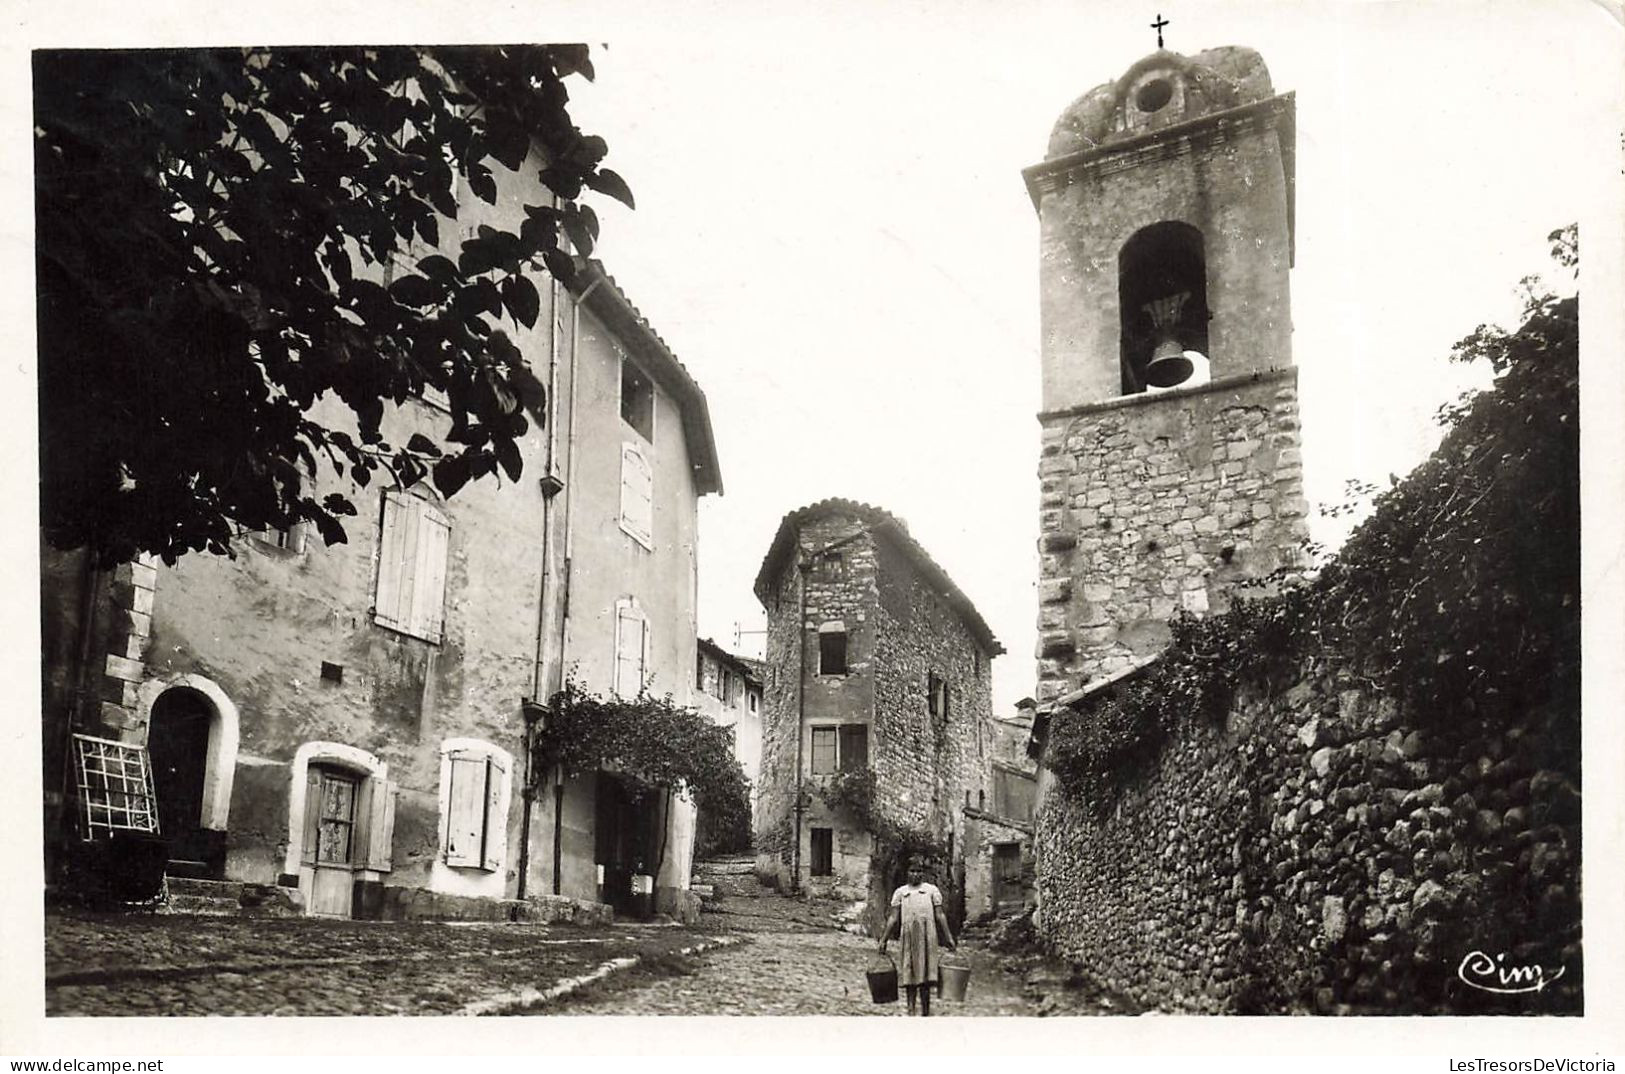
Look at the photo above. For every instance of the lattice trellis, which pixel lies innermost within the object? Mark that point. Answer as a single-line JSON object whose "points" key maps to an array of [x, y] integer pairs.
{"points": [[115, 787]]}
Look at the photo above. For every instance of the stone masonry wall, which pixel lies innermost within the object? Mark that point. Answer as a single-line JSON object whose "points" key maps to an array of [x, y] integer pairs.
{"points": [[926, 768], [1323, 851], [1155, 503], [848, 598]]}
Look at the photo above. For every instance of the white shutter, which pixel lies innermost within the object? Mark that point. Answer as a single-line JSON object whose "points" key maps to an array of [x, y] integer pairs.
{"points": [[629, 655], [496, 820], [381, 827], [465, 810], [637, 495], [643, 652], [412, 551], [386, 602], [429, 576]]}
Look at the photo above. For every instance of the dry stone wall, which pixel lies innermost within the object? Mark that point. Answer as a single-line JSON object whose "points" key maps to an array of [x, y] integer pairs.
{"points": [[1325, 851], [846, 597], [1154, 504]]}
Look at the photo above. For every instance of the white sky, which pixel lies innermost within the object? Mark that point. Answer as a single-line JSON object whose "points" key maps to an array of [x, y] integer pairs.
{"points": [[833, 235]]}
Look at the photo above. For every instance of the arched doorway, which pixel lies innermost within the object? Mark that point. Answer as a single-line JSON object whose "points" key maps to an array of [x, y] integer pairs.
{"points": [[178, 738]]}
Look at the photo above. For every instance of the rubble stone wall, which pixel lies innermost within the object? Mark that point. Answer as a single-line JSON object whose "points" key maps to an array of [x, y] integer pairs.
{"points": [[1325, 851], [1155, 503], [792, 665]]}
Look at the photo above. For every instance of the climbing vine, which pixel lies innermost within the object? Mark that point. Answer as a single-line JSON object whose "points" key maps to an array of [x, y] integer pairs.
{"points": [[1458, 596], [650, 742]]}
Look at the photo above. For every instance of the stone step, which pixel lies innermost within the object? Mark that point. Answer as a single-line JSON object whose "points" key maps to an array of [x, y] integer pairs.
{"points": [[231, 897], [725, 867]]}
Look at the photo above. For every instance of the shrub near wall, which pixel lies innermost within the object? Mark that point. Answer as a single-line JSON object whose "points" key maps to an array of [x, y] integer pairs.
{"points": [[1362, 795]]}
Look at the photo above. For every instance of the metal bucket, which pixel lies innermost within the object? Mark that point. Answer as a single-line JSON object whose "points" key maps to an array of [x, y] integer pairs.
{"points": [[882, 977], [955, 980]]}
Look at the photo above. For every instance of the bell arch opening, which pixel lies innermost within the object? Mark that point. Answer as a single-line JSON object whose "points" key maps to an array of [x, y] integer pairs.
{"points": [[1162, 299]]}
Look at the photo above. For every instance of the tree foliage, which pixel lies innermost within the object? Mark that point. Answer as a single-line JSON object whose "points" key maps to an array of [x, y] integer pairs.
{"points": [[227, 236], [651, 742], [1458, 596]]}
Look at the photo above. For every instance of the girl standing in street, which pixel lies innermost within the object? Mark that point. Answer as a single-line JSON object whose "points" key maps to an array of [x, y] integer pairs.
{"points": [[916, 912]]}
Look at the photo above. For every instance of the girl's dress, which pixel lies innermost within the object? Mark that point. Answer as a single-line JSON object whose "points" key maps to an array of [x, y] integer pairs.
{"points": [[917, 940]]}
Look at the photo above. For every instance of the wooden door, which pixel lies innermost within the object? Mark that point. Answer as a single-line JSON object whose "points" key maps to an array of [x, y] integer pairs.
{"points": [[1007, 893], [329, 856]]}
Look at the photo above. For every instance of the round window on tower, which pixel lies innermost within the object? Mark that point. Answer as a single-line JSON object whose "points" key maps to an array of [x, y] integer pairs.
{"points": [[1155, 94]]}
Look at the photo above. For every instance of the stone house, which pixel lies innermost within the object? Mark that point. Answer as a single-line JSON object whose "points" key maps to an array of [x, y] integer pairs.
{"points": [[879, 667], [347, 724]]}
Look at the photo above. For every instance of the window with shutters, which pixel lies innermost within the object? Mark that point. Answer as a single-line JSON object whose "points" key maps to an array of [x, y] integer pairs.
{"points": [[631, 649], [475, 789], [412, 553], [637, 496], [937, 695], [840, 748]]}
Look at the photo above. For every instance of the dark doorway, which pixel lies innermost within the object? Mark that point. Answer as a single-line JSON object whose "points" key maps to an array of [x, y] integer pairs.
{"points": [[178, 744], [1007, 893], [626, 843]]}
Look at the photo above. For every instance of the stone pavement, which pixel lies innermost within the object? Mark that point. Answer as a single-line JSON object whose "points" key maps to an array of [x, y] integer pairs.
{"points": [[147, 964], [754, 952], [794, 963]]}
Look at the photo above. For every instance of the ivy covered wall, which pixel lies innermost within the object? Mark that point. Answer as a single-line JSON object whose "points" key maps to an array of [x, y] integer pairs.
{"points": [[1361, 795]]}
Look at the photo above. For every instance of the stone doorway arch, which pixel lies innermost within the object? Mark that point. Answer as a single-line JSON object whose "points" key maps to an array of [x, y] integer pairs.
{"points": [[192, 730]]}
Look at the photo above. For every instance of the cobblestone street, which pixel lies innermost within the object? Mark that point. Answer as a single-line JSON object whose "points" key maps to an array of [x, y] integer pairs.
{"points": [[794, 962], [753, 953]]}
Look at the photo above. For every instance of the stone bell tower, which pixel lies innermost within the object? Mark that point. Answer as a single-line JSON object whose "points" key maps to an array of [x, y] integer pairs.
{"points": [[1170, 467]]}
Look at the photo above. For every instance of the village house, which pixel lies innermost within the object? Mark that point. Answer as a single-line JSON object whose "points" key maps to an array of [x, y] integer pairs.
{"points": [[343, 729], [728, 689], [879, 671]]}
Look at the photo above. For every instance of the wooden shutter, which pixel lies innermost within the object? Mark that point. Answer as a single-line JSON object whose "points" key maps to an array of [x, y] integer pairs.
{"points": [[465, 811], [313, 812], [854, 747], [637, 494], [496, 822], [631, 646], [397, 549], [429, 573], [381, 827], [412, 550]]}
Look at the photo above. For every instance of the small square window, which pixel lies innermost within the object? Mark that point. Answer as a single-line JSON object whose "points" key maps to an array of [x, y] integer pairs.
{"points": [[637, 400], [832, 652]]}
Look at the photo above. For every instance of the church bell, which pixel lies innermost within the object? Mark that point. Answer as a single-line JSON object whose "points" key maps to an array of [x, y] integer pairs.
{"points": [[1168, 366]]}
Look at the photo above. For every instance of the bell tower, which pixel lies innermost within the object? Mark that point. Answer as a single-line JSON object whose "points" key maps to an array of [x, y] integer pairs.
{"points": [[1170, 466]]}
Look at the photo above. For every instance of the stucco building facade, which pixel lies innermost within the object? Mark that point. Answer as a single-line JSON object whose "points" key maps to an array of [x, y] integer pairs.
{"points": [[348, 722], [876, 664], [728, 689]]}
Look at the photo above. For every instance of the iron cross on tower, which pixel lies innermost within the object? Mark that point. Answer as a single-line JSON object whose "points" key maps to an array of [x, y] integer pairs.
{"points": [[1157, 26]]}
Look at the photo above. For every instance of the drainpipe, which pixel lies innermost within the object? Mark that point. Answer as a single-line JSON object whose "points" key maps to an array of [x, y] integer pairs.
{"points": [[569, 549], [801, 713]]}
